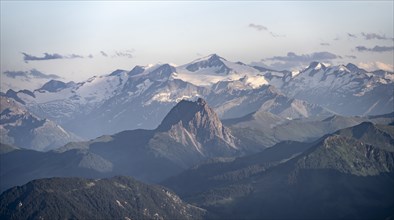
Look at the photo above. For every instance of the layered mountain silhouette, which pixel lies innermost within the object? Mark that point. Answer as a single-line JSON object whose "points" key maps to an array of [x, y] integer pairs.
{"points": [[77, 198], [21, 128], [189, 134], [345, 175]]}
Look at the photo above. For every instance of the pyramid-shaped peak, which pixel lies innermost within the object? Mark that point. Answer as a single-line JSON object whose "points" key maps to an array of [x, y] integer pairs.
{"points": [[199, 120], [353, 68], [316, 65], [117, 72], [211, 61], [215, 57], [54, 86], [165, 70], [186, 111], [136, 70]]}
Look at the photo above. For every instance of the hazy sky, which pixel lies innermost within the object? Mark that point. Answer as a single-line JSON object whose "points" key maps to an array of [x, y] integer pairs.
{"points": [[77, 40]]}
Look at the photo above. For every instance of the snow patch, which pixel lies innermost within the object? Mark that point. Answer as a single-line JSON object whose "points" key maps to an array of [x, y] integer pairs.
{"points": [[119, 204]]}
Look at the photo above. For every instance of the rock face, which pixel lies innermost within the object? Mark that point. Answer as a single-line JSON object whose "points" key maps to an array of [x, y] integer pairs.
{"points": [[199, 119], [213, 61], [21, 128], [114, 198], [192, 132]]}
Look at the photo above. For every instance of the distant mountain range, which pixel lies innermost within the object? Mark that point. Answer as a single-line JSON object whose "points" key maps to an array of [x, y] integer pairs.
{"points": [[140, 98], [21, 128]]}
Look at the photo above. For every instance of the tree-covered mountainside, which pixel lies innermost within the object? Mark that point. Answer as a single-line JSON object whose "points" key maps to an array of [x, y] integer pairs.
{"points": [[77, 198]]}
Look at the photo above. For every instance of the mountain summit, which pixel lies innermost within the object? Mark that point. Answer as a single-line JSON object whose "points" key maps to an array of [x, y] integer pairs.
{"points": [[211, 61], [196, 124], [198, 118]]}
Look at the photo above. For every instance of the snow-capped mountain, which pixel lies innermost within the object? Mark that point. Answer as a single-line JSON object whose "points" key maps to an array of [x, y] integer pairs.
{"points": [[213, 68], [231, 102], [346, 90], [21, 128], [140, 98]]}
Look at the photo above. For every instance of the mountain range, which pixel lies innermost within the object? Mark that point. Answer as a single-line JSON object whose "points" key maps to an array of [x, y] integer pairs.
{"points": [[220, 139], [140, 98], [345, 175], [24, 129], [190, 133]]}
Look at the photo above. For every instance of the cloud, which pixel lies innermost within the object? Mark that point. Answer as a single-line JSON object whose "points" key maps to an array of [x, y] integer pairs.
{"points": [[371, 66], [31, 74], [378, 49], [351, 56], [293, 61], [259, 27], [48, 56], [124, 53], [90, 56], [371, 36], [72, 56], [324, 44], [293, 57], [351, 35], [104, 53]]}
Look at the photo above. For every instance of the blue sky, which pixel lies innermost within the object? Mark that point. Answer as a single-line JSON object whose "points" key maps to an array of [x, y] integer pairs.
{"points": [[77, 40]]}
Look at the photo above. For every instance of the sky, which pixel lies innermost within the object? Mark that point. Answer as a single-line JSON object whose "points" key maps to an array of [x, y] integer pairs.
{"points": [[75, 40]]}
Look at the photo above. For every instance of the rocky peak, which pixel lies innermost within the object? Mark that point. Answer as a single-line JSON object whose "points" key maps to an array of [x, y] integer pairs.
{"points": [[136, 70], [198, 119], [316, 65], [210, 62], [354, 68], [117, 72], [53, 86], [164, 70]]}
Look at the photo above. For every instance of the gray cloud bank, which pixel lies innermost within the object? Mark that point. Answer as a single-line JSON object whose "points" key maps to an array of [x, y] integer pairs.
{"points": [[297, 61], [30, 74], [48, 56], [377, 49]]}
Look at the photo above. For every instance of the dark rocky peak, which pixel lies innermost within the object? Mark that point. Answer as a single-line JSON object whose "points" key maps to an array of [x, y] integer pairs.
{"points": [[136, 70], [316, 65], [210, 62], [164, 70], [185, 111], [353, 68], [117, 72], [14, 95], [197, 118], [53, 86]]}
